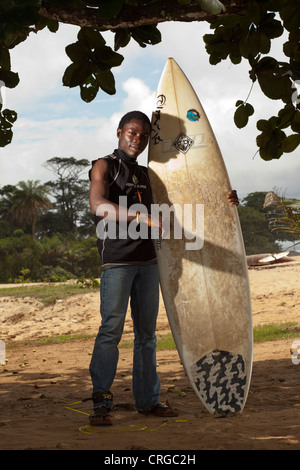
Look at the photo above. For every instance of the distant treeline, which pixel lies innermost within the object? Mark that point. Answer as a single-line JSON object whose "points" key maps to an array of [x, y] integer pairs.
{"points": [[47, 232]]}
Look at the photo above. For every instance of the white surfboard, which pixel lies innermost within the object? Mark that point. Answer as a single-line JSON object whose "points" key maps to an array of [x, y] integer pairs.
{"points": [[203, 273], [267, 258], [273, 258]]}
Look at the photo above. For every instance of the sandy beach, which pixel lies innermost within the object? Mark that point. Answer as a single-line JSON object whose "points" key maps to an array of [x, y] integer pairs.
{"points": [[45, 389]]}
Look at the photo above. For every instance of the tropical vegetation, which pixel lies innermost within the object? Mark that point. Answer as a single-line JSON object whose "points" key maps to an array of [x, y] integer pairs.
{"points": [[47, 232]]}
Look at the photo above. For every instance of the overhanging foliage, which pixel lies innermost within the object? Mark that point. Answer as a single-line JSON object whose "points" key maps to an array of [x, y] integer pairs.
{"points": [[241, 30]]}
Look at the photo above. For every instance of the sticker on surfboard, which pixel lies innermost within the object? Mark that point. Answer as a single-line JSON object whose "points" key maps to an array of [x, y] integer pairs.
{"points": [[193, 115], [183, 143]]}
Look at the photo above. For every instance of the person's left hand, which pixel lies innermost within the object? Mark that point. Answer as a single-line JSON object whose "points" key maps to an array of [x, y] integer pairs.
{"points": [[232, 197]]}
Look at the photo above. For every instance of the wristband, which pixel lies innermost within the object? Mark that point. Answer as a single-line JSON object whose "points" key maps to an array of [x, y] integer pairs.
{"points": [[137, 218]]}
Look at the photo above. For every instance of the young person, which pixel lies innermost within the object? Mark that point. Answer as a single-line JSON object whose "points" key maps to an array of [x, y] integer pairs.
{"points": [[129, 271]]}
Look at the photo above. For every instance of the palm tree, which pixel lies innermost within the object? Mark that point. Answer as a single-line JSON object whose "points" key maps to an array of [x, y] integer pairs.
{"points": [[28, 202]]}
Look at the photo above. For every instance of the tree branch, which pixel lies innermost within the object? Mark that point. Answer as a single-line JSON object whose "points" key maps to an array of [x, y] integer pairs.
{"points": [[132, 17]]}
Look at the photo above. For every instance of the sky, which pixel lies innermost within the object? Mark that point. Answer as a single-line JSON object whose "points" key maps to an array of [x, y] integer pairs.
{"points": [[53, 121]]}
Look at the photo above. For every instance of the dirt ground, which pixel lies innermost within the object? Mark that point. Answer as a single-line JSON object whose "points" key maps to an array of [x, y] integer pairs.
{"points": [[45, 390]]}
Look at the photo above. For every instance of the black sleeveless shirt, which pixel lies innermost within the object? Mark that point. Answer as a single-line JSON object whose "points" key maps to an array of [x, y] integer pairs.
{"points": [[129, 181]]}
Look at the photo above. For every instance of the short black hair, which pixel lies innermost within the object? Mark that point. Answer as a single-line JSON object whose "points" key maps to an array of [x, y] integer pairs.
{"points": [[134, 115]]}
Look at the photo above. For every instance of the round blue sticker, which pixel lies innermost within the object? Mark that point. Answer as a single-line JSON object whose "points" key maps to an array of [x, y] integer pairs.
{"points": [[193, 115]]}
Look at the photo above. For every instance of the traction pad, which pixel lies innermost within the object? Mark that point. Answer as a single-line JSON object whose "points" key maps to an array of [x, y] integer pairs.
{"points": [[220, 378]]}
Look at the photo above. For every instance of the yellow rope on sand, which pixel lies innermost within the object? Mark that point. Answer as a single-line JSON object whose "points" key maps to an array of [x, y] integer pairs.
{"points": [[67, 407], [135, 427]]}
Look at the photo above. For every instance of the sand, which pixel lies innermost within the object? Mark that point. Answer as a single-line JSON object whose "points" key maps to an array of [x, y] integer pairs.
{"points": [[40, 384]]}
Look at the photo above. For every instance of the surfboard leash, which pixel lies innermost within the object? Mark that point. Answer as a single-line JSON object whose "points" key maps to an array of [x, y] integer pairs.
{"points": [[88, 429]]}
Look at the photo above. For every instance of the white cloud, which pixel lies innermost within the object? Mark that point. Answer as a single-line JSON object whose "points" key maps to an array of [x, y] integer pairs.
{"points": [[40, 62], [139, 96], [35, 142], [80, 137]]}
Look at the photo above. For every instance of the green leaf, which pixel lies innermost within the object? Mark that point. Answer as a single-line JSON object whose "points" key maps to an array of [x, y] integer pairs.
{"points": [[264, 64], [103, 79], [291, 143], [290, 15], [212, 6], [106, 82], [249, 109], [11, 79], [270, 27], [275, 87], [76, 74], [53, 26], [235, 59], [263, 125], [91, 38], [5, 136], [214, 59], [105, 58], [89, 89], [274, 79], [4, 58], [285, 116], [144, 35], [77, 52], [270, 152], [264, 138], [270, 142], [295, 125], [7, 118], [242, 114], [10, 115], [291, 49], [122, 38], [254, 43], [273, 123]]}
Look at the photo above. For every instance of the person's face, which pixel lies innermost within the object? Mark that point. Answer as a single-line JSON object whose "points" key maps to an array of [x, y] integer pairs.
{"points": [[133, 138]]}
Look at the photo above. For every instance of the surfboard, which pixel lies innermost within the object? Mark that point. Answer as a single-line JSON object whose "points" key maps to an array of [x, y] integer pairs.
{"points": [[268, 258], [273, 258], [201, 257]]}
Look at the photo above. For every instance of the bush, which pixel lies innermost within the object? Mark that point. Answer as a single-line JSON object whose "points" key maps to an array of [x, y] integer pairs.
{"points": [[53, 274]]}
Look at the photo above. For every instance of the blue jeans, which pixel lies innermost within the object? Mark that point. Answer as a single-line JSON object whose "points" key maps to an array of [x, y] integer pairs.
{"points": [[141, 285]]}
